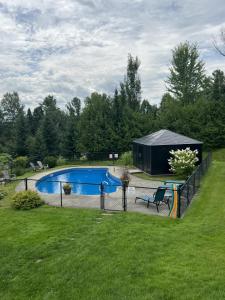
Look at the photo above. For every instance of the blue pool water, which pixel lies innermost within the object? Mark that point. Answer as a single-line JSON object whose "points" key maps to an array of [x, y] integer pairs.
{"points": [[86, 181]]}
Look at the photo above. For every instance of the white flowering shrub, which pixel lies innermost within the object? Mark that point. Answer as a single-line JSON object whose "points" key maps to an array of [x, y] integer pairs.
{"points": [[182, 162]]}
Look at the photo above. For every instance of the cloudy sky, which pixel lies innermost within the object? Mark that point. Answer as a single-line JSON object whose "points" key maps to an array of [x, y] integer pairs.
{"points": [[74, 47]]}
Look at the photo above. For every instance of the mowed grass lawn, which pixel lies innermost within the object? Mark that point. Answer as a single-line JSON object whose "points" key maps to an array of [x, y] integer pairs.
{"points": [[58, 253]]}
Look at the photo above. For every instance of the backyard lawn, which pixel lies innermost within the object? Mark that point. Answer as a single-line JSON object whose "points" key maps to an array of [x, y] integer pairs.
{"points": [[59, 253]]}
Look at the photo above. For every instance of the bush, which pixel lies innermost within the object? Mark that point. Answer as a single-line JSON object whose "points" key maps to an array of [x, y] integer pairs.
{"points": [[126, 159], [26, 200], [5, 159], [50, 161], [183, 161], [21, 162], [2, 194], [19, 171], [61, 161]]}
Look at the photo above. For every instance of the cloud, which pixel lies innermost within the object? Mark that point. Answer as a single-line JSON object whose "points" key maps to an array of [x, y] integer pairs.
{"points": [[70, 48]]}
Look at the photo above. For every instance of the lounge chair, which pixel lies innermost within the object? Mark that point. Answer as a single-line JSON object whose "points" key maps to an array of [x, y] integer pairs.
{"points": [[7, 177], [34, 168], [178, 182], [155, 199], [41, 166]]}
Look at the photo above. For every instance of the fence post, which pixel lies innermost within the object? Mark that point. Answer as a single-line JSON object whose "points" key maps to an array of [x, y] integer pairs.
{"points": [[188, 202], [194, 183], [26, 184], [124, 199], [61, 196], [102, 196], [178, 202]]}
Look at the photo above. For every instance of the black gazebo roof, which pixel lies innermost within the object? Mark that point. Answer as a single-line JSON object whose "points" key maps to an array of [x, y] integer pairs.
{"points": [[165, 137]]}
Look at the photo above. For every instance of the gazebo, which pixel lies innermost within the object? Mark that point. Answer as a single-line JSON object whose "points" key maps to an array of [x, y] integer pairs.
{"points": [[151, 152]]}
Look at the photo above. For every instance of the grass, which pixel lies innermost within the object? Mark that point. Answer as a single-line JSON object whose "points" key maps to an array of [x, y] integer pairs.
{"points": [[59, 253], [219, 155], [157, 177]]}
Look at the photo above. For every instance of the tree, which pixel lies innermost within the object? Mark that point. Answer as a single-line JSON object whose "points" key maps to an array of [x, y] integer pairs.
{"points": [[221, 46], [50, 130], [218, 85], [132, 83], [20, 134], [71, 133], [37, 117], [186, 73], [74, 107], [11, 106], [96, 124]]}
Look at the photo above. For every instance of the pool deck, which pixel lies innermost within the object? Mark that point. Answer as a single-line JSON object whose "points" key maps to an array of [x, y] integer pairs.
{"points": [[113, 201]]}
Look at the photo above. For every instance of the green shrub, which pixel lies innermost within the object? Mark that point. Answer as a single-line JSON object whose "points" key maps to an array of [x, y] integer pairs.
{"points": [[19, 171], [26, 200], [182, 162], [5, 159], [50, 161], [61, 161], [126, 159], [2, 194], [21, 162]]}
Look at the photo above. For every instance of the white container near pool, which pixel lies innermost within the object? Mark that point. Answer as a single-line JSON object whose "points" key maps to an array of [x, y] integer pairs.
{"points": [[84, 181]]}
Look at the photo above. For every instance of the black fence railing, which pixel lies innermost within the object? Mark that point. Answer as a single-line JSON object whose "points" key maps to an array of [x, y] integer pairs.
{"points": [[103, 196], [120, 197], [191, 186]]}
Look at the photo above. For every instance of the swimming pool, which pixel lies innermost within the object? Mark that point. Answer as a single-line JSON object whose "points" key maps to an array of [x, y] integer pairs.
{"points": [[86, 181]]}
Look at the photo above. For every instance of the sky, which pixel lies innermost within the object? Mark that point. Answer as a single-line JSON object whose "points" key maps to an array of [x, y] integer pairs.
{"points": [[70, 48]]}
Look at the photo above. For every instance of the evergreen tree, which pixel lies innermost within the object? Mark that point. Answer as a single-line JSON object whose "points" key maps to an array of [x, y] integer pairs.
{"points": [[50, 126], [29, 122], [37, 117], [96, 124], [71, 136], [20, 134], [218, 85], [133, 83]]}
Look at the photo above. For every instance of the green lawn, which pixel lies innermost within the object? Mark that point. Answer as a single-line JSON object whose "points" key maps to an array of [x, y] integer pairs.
{"points": [[58, 253], [157, 177]]}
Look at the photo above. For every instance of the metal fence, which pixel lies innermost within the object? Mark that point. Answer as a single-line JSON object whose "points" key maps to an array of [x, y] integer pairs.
{"points": [[191, 186], [121, 198], [104, 196]]}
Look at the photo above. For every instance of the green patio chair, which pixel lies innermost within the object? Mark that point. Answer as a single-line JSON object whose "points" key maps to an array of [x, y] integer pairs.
{"points": [[157, 197]]}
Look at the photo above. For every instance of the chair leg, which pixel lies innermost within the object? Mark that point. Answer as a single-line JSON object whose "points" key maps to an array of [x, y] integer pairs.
{"points": [[157, 206], [168, 203]]}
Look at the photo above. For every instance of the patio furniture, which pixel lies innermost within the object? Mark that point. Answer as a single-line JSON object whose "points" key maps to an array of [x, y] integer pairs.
{"points": [[34, 168], [41, 166], [157, 197], [7, 177], [168, 194], [178, 182], [171, 186]]}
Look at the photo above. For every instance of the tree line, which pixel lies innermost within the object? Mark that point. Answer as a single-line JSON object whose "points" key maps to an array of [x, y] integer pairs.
{"points": [[194, 105]]}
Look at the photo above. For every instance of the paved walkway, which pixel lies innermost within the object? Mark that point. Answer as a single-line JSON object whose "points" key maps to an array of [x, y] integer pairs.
{"points": [[112, 201]]}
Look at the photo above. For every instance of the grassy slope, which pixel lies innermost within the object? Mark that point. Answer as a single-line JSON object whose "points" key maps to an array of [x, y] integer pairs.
{"points": [[53, 253]]}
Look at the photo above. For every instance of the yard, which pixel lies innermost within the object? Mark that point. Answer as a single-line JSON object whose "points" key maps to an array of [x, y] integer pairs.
{"points": [[59, 253]]}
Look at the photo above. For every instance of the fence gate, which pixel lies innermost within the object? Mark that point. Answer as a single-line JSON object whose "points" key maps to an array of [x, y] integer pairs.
{"points": [[112, 198]]}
